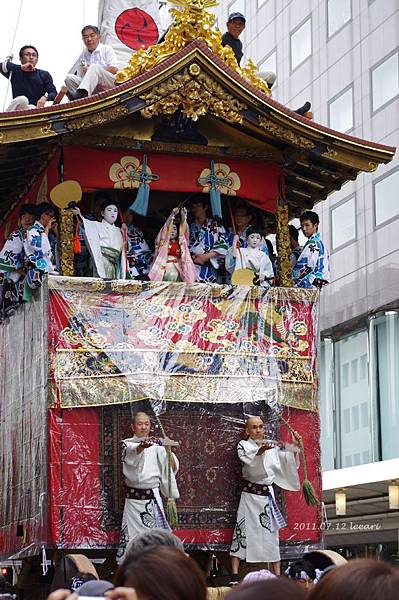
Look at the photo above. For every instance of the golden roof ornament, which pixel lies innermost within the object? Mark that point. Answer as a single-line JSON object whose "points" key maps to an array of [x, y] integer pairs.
{"points": [[191, 21]]}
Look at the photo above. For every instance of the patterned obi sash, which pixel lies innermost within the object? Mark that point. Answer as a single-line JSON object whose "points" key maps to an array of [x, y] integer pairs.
{"points": [[136, 494], [264, 490]]}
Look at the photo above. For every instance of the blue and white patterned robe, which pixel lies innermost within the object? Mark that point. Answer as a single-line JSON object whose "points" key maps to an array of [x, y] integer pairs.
{"points": [[312, 264], [12, 255], [38, 254], [139, 254], [203, 239]]}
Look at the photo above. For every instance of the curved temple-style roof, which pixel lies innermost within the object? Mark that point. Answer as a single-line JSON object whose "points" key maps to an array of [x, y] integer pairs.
{"points": [[316, 159]]}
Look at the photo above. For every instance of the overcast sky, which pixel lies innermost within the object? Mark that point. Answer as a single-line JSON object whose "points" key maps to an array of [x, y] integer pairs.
{"points": [[50, 25]]}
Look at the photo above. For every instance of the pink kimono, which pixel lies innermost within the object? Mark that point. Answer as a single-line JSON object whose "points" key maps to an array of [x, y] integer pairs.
{"points": [[167, 258]]}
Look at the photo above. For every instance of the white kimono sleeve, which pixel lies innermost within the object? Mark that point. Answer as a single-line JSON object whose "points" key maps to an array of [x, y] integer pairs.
{"points": [[286, 471], [164, 475]]}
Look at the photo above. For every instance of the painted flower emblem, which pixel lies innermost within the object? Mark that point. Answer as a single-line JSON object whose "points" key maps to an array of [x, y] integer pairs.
{"points": [[228, 182], [126, 173]]}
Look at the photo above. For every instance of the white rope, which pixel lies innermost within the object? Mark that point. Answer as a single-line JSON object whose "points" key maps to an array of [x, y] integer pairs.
{"points": [[10, 56]]}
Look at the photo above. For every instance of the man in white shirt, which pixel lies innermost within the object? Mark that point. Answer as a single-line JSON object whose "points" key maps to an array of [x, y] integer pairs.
{"points": [[97, 67], [146, 470]]}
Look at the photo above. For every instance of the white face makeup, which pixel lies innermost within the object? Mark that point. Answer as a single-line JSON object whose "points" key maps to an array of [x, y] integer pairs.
{"points": [[173, 234], [253, 240], [110, 214]]}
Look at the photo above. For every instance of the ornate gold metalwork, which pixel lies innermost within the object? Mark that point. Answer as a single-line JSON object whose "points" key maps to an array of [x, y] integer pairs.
{"points": [[284, 247], [190, 22], [286, 134], [97, 119], [196, 97], [65, 243]]}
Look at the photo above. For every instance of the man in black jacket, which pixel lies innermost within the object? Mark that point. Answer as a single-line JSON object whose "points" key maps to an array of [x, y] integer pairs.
{"points": [[31, 87], [235, 27]]}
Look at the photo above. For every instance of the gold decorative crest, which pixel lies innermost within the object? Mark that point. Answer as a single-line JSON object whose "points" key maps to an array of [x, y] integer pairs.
{"points": [[228, 182], [191, 22], [126, 173]]}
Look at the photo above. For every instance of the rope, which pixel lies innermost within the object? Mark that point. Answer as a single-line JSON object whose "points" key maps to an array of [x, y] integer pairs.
{"points": [[11, 54], [171, 508]]}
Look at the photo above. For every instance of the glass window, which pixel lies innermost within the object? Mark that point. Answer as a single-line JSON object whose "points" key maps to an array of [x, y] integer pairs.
{"points": [[388, 382], [343, 223], [327, 431], [269, 63], [339, 12], [261, 3], [386, 206], [354, 440], [385, 81], [237, 6], [301, 44], [340, 111]]}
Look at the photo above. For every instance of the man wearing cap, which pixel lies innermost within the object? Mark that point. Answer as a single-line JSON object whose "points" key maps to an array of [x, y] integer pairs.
{"points": [[235, 27]]}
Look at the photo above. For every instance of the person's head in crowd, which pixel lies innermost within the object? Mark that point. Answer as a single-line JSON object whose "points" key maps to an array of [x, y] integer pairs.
{"points": [[243, 217], [359, 580], [27, 215], [95, 588], [141, 424], [162, 573], [303, 572], [278, 588], [148, 540], [45, 213], [309, 223], [198, 209], [29, 55], [80, 579], [236, 24], [294, 236], [91, 37], [258, 576]]}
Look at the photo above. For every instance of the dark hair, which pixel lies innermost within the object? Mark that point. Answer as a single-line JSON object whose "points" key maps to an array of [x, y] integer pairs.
{"points": [[245, 207], [278, 589], [148, 540], [294, 233], [199, 200], [310, 215], [29, 209], [359, 579], [270, 248], [87, 27], [163, 573], [45, 207], [252, 230], [22, 50], [295, 569]]}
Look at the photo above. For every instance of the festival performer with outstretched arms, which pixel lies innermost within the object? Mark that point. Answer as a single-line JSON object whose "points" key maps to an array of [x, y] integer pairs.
{"points": [[256, 537], [148, 474]]}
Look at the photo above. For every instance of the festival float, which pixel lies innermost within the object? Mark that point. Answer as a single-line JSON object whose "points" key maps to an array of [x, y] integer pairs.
{"points": [[86, 353]]}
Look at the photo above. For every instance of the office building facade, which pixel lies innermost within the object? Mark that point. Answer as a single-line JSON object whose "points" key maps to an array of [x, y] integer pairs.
{"points": [[343, 56]]}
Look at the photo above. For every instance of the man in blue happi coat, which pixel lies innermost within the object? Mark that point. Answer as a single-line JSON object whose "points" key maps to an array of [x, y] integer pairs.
{"points": [[313, 265]]}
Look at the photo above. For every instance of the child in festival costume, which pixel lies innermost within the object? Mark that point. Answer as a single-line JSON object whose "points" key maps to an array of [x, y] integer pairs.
{"points": [[251, 257], [105, 241], [173, 261]]}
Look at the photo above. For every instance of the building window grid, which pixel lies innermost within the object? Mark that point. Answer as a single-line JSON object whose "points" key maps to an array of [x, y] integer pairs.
{"points": [[306, 22], [334, 4], [336, 99], [266, 59], [376, 182], [373, 84], [236, 6], [351, 239]]}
